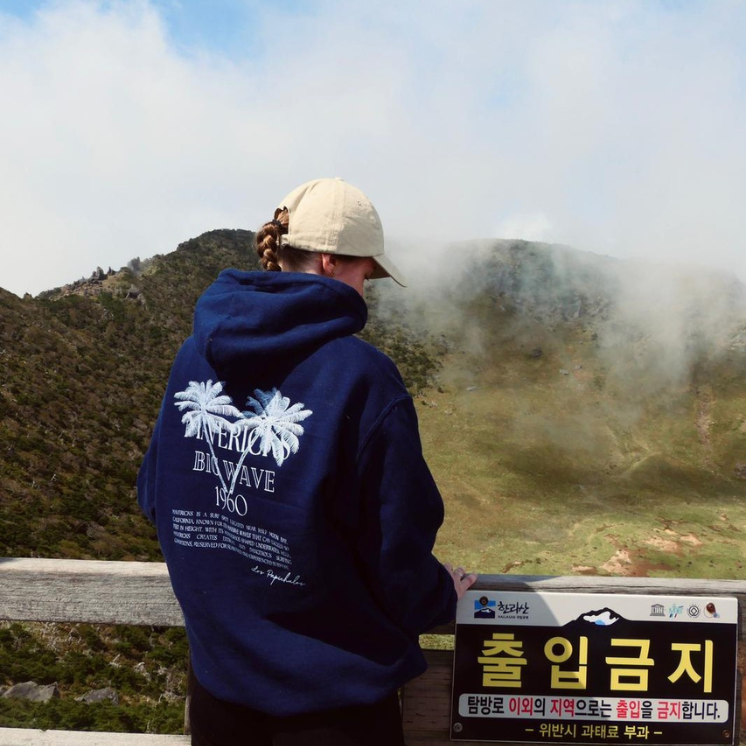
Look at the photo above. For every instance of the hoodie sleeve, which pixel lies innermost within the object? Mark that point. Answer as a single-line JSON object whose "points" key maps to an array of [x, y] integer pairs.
{"points": [[402, 512]]}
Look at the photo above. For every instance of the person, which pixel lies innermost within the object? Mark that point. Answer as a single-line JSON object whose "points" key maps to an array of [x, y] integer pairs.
{"points": [[293, 505]]}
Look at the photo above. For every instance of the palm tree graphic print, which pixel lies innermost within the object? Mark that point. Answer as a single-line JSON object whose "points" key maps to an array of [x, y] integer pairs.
{"points": [[272, 425]]}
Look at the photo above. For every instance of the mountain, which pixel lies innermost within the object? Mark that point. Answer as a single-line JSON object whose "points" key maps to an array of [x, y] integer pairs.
{"points": [[580, 413]]}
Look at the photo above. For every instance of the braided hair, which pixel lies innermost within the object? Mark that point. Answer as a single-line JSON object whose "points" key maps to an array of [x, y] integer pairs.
{"points": [[268, 240], [270, 251]]}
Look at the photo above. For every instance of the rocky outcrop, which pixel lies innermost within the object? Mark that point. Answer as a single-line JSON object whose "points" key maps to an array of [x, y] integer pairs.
{"points": [[32, 692], [100, 695]]}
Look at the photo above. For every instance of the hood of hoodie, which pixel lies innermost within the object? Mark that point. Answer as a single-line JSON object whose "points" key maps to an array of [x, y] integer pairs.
{"points": [[272, 316]]}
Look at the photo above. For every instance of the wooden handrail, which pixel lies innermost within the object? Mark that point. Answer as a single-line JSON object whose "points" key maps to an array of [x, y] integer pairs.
{"points": [[101, 592], [52, 590], [35, 737]]}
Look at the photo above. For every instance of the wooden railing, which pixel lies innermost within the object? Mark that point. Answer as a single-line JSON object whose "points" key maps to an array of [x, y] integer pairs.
{"points": [[140, 593]]}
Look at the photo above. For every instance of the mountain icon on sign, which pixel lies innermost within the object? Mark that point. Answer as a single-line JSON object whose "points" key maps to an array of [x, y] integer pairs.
{"points": [[601, 618]]}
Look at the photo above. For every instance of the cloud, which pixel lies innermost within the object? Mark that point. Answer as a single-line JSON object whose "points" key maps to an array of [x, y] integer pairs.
{"points": [[526, 226], [111, 147], [614, 127]]}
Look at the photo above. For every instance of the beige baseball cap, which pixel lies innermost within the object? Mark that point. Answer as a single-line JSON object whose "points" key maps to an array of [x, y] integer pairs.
{"points": [[333, 217]]}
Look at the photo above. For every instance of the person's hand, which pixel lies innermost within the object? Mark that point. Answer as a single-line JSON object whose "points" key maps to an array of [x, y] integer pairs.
{"points": [[462, 580]]}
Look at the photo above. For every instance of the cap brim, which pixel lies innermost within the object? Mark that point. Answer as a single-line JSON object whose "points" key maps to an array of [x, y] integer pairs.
{"points": [[386, 268]]}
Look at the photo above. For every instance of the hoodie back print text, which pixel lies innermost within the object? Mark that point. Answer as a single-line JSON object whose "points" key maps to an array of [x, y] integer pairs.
{"points": [[269, 429]]}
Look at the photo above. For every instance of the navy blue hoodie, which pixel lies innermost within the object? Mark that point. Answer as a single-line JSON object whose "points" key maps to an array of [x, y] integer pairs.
{"points": [[293, 505]]}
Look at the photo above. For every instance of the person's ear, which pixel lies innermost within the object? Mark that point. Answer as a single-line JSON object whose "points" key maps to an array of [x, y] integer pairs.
{"points": [[328, 265]]}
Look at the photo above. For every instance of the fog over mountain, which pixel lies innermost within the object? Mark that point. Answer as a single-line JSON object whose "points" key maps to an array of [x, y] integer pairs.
{"points": [[653, 323]]}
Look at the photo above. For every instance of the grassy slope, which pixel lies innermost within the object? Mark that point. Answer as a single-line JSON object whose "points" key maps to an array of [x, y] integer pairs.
{"points": [[551, 472]]}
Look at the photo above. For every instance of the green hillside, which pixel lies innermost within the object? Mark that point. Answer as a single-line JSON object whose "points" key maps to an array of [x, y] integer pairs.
{"points": [[84, 370]]}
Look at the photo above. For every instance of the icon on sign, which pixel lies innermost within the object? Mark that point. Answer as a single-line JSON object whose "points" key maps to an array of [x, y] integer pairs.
{"points": [[484, 608]]}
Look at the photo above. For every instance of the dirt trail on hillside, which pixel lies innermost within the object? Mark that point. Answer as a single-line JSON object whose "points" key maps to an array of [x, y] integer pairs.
{"points": [[631, 562]]}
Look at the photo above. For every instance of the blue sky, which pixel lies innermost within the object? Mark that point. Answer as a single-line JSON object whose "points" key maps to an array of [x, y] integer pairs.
{"points": [[220, 25], [217, 26], [225, 27], [613, 126]]}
